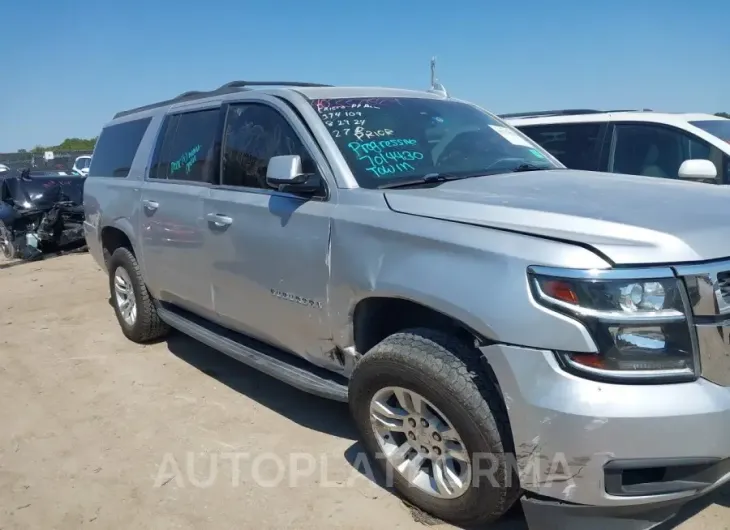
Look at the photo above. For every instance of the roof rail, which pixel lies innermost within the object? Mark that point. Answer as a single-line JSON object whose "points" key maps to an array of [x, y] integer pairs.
{"points": [[629, 110], [564, 112], [228, 88], [242, 84], [189, 93]]}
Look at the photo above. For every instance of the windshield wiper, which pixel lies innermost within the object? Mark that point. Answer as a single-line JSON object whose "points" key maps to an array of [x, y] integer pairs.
{"points": [[430, 179], [530, 167]]}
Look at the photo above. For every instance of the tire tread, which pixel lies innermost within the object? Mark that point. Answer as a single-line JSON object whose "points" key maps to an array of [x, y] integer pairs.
{"points": [[456, 364]]}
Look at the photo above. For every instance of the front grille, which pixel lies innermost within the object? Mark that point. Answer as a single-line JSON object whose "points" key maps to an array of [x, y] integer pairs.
{"points": [[723, 285], [708, 287]]}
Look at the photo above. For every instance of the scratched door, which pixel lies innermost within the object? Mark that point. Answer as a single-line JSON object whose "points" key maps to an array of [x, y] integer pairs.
{"points": [[269, 250]]}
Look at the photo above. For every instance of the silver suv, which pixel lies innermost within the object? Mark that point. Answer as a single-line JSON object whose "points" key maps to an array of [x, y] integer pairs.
{"points": [[502, 327]]}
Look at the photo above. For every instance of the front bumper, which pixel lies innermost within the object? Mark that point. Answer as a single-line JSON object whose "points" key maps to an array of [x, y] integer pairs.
{"points": [[567, 430], [546, 515]]}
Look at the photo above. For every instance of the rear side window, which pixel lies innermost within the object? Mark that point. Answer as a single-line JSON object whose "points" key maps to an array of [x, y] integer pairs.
{"points": [[574, 144], [116, 147], [186, 147]]}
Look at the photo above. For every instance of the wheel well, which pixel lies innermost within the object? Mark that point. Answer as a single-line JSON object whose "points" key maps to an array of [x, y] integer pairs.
{"points": [[112, 239], [378, 317]]}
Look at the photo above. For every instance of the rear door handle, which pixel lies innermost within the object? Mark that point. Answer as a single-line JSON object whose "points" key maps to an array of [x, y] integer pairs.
{"points": [[150, 205], [219, 220]]}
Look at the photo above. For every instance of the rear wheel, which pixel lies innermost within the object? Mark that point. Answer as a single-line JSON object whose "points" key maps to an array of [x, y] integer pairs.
{"points": [[133, 304], [435, 424]]}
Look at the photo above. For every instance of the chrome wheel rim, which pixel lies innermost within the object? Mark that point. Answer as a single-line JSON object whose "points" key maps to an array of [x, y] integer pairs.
{"points": [[124, 295], [419, 441]]}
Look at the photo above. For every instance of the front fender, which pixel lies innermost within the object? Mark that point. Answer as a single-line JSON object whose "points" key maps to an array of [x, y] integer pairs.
{"points": [[472, 274]]}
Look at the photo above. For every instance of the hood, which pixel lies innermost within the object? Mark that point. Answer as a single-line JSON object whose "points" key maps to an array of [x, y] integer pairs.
{"points": [[42, 192], [629, 219]]}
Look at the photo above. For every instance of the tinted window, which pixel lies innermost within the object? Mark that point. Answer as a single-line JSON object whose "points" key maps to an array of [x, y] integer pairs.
{"points": [[159, 166], [720, 128], [116, 148], [385, 140], [574, 144], [658, 151], [186, 147], [254, 134]]}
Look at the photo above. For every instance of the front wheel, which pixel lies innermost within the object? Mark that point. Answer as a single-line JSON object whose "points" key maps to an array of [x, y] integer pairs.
{"points": [[436, 426]]}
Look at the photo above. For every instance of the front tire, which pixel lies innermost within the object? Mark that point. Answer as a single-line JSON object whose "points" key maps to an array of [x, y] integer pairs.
{"points": [[133, 304], [436, 426]]}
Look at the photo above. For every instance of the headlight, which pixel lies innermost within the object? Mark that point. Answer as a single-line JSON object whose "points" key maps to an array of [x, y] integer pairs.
{"points": [[636, 318]]}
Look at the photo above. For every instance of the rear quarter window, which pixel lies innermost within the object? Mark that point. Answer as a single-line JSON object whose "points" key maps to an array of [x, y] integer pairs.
{"points": [[116, 148]]}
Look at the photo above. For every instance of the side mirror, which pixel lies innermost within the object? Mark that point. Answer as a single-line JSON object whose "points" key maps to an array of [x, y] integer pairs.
{"points": [[284, 173], [697, 170]]}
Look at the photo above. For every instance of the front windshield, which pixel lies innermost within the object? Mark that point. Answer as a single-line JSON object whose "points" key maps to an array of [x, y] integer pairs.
{"points": [[720, 128], [386, 140]]}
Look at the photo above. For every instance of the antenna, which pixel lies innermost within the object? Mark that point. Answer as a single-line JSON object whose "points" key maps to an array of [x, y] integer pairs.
{"points": [[435, 85]]}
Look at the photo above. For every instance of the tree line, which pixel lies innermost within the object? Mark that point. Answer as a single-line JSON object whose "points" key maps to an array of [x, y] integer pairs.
{"points": [[87, 144], [69, 144]]}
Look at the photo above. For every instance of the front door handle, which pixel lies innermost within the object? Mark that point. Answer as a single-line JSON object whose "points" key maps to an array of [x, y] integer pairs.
{"points": [[150, 205], [219, 220]]}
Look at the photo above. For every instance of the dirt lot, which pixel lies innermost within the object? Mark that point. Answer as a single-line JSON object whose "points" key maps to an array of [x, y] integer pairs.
{"points": [[98, 432]]}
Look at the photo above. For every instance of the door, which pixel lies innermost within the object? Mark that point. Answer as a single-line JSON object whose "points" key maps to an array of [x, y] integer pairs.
{"points": [[657, 150], [269, 250], [172, 210]]}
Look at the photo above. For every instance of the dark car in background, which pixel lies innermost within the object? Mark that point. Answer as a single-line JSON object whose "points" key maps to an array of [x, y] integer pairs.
{"points": [[40, 212]]}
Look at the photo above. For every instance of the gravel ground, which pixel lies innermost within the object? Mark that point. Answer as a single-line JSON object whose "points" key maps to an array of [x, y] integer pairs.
{"points": [[98, 432]]}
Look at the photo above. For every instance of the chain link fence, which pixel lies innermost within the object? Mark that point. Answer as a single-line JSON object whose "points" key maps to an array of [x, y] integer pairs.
{"points": [[61, 161]]}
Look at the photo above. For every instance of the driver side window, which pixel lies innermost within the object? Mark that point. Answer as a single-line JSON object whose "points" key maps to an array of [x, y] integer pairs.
{"points": [[657, 151], [254, 134]]}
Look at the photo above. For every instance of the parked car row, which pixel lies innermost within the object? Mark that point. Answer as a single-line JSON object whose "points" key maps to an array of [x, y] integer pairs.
{"points": [[655, 144], [502, 327]]}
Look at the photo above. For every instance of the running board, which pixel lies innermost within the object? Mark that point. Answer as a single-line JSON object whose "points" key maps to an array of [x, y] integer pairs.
{"points": [[279, 365]]}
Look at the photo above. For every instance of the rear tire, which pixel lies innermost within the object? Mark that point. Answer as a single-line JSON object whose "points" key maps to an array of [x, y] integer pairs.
{"points": [[133, 304], [448, 376]]}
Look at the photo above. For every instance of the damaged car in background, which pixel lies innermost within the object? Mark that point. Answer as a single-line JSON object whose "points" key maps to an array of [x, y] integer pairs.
{"points": [[40, 213]]}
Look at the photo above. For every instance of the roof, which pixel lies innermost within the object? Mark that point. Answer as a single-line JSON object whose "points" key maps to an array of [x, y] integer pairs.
{"points": [[598, 116], [308, 90]]}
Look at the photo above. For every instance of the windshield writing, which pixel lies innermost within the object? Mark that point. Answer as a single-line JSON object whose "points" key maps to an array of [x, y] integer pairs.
{"points": [[384, 139]]}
